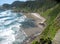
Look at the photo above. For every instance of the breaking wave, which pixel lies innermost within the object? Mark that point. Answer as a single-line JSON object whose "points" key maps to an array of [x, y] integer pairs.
{"points": [[10, 30]]}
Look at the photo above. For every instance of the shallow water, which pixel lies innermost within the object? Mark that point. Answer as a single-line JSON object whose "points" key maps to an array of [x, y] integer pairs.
{"points": [[10, 30]]}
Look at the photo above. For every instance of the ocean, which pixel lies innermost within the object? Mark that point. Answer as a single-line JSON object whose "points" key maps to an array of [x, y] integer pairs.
{"points": [[10, 30]]}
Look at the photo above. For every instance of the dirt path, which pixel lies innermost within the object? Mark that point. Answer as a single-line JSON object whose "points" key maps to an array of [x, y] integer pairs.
{"points": [[56, 39]]}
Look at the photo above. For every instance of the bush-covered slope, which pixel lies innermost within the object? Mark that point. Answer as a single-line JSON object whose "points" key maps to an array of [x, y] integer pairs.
{"points": [[50, 22], [53, 25], [30, 6]]}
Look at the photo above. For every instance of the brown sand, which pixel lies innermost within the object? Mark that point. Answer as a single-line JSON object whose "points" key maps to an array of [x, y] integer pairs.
{"points": [[35, 30]]}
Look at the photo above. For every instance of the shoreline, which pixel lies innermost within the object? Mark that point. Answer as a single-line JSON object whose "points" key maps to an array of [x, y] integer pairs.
{"points": [[34, 32]]}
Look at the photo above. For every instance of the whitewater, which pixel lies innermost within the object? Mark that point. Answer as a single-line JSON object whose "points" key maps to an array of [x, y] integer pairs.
{"points": [[10, 30]]}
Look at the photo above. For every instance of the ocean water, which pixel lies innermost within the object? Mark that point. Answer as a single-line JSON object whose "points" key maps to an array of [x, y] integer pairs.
{"points": [[10, 30]]}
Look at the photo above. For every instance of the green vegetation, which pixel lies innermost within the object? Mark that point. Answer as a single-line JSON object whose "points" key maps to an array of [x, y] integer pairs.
{"points": [[35, 42], [43, 41], [50, 30], [30, 6], [53, 24], [49, 9]]}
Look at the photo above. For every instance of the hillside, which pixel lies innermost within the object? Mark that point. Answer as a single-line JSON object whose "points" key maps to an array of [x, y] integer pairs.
{"points": [[30, 6], [53, 24], [49, 9]]}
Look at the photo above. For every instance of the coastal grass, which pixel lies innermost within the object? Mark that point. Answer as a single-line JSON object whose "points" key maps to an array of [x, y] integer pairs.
{"points": [[52, 21], [51, 28]]}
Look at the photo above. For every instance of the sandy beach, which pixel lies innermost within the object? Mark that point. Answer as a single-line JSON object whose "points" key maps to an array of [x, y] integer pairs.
{"points": [[34, 31]]}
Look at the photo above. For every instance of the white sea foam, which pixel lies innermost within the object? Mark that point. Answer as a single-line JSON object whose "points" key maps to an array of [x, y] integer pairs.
{"points": [[10, 30]]}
